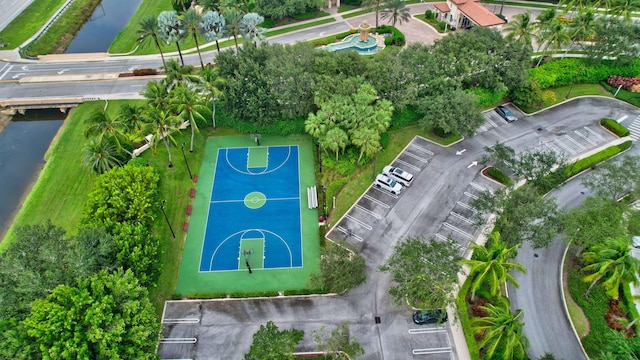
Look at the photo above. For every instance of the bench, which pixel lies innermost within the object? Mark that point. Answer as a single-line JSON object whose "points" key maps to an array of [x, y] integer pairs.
{"points": [[312, 197], [185, 226], [192, 193], [189, 208]]}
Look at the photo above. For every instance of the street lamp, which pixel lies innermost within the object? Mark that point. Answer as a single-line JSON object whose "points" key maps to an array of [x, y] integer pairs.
{"points": [[166, 218], [186, 162]]}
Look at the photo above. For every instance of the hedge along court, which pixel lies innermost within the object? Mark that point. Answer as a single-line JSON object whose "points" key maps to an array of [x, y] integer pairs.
{"points": [[251, 229]]}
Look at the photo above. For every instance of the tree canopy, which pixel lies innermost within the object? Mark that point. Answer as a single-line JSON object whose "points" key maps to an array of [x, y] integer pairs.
{"points": [[271, 343]]}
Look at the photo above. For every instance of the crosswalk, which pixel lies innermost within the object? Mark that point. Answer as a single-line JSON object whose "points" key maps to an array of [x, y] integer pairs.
{"points": [[634, 129]]}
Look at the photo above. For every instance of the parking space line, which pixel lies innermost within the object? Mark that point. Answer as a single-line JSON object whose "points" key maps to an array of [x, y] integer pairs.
{"points": [[181, 321], [383, 204], [564, 146], [367, 211], [408, 165], [178, 341], [416, 157], [580, 146], [467, 206], [479, 187], [441, 237], [428, 351], [439, 329], [384, 192], [349, 233], [458, 216], [471, 195], [421, 149], [359, 222], [447, 225], [491, 123], [502, 120], [594, 133], [583, 136], [553, 148]]}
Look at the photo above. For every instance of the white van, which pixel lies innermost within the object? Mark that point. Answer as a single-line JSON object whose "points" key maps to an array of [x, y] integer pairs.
{"points": [[385, 182], [399, 175]]}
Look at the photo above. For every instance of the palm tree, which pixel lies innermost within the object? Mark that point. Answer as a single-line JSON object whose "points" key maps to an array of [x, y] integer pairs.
{"points": [[101, 125], [373, 4], [149, 31], [501, 330], [336, 139], [315, 125], [157, 93], [624, 8], [133, 119], [100, 155], [554, 35], [172, 29], [521, 29], [212, 5], [491, 266], [162, 124], [581, 27], [612, 263], [368, 140], [212, 84], [188, 104], [396, 11], [177, 74], [233, 18], [213, 27], [249, 27], [180, 4], [191, 20]]}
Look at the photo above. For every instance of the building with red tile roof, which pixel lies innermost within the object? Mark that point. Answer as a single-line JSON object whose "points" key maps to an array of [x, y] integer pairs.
{"points": [[463, 14]]}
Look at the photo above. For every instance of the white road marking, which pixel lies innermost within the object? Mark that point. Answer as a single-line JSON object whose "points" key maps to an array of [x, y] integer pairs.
{"points": [[383, 204], [598, 136], [439, 329], [467, 206], [460, 217], [585, 138], [475, 197], [428, 351], [367, 211], [404, 163], [421, 149], [460, 231], [416, 157], [580, 146], [349, 233], [6, 72], [564, 146], [479, 187], [361, 223]]}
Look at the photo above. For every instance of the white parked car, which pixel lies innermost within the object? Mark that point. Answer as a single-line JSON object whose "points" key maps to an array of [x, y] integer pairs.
{"points": [[385, 182], [398, 175]]}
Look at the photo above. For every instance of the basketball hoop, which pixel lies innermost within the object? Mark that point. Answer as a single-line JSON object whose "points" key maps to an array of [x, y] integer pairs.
{"points": [[256, 137], [247, 256]]}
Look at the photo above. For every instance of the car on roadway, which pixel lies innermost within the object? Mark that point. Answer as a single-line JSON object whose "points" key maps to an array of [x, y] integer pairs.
{"points": [[436, 316], [387, 183], [403, 177], [506, 113]]}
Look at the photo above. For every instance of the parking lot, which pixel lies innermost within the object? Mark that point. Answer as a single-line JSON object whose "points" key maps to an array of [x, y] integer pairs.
{"points": [[375, 203]]}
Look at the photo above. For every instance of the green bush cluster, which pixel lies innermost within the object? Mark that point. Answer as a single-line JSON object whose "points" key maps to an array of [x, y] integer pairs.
{"points": [[465, 321], [280, 127], [442, 26], [407, 116], [428, 14], [499, 176], [487, 98], [329, 39], [577, 70], [397, 39], [628, 302], [614, 127]]}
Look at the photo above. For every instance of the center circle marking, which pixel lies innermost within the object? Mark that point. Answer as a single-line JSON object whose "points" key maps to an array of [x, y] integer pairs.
{"points": [[255, 200]]}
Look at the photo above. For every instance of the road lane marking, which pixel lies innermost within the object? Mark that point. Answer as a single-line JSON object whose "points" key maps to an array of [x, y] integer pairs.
{"points": [[439, 329], [471, 195], [564, 146], [181, 321], [479, 187], [6, 72], [594, 133], [384, 192]]}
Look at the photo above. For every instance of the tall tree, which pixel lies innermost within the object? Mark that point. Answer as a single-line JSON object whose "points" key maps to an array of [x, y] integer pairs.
{"points": [[424, 272], [396, 11], [624, 8], [614, 39], [171, 29], [233, 18], [149, 32], [179, 74], [501, 331], [375, 4], [106, 316], [339, 342], [595, 219], [611, 263], [368, 140], [213, 27], [157, 93], [521, 28], [102, 126], [340, 269], [100, 155], [491, 266], [189, 105], [212, 85], [553, 35], [455, 111], [271, 343], [249, 27], [192, 20], [335, 140], [163, 123], [615, 179]]}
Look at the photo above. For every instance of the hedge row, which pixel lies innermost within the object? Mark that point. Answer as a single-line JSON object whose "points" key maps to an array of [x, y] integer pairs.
{"points": [[465, 321], [614, 127], [499, 176], [577, 70]]}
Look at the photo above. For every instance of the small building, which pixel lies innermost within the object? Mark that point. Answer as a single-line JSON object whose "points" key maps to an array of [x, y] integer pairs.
{"points": [[463, 14]]}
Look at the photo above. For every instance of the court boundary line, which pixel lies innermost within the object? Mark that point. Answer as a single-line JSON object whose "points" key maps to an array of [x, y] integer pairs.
{"points": [[226, 156], [299, 198], [242, 201]]}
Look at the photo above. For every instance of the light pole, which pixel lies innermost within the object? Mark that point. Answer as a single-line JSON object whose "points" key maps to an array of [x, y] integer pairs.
{"points": [[375, 160], [186, 162], [166, 218]]}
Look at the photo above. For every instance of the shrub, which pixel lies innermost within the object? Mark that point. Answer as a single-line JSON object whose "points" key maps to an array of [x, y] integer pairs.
{"points": [[442, 26], [384, 29], [548, 97], [428, 14], [614, 127], [577, 70], [397, 39], [627, 83], [143, 72], [406, 117], [499, 176], [486, 98]]}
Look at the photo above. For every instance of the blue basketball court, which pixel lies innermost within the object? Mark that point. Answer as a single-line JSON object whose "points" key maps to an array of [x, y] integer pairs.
{"points": [[254, 214]]}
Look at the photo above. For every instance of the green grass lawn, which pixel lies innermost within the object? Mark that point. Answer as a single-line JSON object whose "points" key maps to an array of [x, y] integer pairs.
{"points": [[127, 39], [561, 92], [29, 21]]}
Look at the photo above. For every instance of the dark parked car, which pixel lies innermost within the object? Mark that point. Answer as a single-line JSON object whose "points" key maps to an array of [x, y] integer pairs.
{"points": [[422, 317], [506, 113]]}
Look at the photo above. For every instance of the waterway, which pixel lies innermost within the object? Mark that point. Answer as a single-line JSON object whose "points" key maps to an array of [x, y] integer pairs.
{"points": [[23, 143], [109, 18]]}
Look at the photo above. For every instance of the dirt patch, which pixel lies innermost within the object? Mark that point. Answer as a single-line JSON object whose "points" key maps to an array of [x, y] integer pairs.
{"points": [[576, 313]]}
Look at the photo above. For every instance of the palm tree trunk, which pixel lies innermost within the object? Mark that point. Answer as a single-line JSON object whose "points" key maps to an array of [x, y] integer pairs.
{"points": [[213, 112], [195, 38], [337, 155], [155, 38], [360, 157], [235, 39], [217, 46], [586, 295], [473, 297], [193, 133], [180, 53], [166, 144], [377, 10]]}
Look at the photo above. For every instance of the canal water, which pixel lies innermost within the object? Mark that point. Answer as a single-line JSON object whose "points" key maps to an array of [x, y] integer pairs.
{"points": [[109, 18], [23, 143]]}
